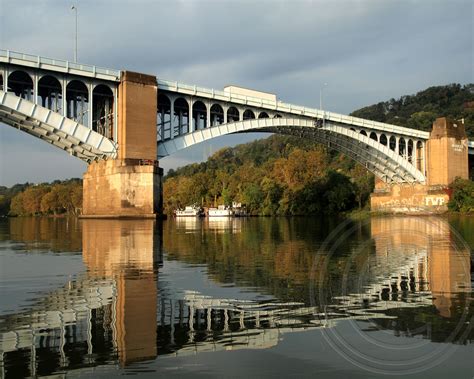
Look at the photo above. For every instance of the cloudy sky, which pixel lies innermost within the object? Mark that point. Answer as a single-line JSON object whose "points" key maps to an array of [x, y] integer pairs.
{"points": [[366, 52]]}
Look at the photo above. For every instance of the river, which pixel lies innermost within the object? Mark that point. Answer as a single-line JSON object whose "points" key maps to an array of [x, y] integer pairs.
{"points": [[256, 297]]}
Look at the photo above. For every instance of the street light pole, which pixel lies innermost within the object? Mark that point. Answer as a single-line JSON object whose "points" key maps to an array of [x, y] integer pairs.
{"points": [[321, 96], [74, 8]]}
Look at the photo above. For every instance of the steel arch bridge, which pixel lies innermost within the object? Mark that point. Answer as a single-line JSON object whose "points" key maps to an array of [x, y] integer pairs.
{"points": [[75, 108], [376, 157]]}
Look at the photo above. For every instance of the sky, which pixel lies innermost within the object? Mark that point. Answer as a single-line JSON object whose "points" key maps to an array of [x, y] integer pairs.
{"points": [[366, 52]]}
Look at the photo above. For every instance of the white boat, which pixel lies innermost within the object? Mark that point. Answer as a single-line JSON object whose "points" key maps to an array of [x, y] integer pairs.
{"points": [[239, 209], [189, 211], [220, 211]]}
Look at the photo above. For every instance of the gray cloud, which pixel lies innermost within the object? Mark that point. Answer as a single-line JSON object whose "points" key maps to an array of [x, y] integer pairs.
{"points": [[367, 51]]}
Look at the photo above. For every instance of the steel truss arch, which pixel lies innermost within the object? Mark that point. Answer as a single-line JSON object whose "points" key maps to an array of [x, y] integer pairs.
{"points": [[52, 127], [376, 157]]}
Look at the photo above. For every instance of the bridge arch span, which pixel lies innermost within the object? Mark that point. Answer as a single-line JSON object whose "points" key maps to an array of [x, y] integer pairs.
{"points": [[54, 128], [386, 164]]}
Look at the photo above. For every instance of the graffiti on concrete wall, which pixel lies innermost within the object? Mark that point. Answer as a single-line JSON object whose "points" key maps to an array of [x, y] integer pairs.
{"points": [[435, 201]]}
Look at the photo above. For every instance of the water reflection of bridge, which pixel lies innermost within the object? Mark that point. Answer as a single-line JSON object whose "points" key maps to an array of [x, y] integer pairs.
{"points": [[120, 312]]}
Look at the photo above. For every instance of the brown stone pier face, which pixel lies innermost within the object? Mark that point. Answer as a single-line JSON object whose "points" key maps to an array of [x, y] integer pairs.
{"points": [[447, 152], [129, 186], [447, 159]]}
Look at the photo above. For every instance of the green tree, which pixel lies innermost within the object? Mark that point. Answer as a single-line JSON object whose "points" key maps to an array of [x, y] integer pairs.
{"points": [[16, 206], [363, 182], [253, 197], [462, 198]]}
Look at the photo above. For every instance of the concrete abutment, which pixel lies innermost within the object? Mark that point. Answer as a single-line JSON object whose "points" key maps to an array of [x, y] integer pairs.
{"points": [[447, 159], [122, 188]]}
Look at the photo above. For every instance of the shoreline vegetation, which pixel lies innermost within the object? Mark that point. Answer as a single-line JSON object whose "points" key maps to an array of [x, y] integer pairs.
{"points": [[64, 199], [279, 175], [59, 198]]}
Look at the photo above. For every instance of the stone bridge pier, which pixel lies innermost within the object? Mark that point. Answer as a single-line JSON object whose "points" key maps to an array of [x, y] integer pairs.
{"points": [[447, 159], [131, 185]]}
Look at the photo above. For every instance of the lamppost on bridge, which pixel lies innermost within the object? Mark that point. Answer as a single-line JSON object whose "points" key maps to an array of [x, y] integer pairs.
{"points": [[74, 8], [321, 96]]}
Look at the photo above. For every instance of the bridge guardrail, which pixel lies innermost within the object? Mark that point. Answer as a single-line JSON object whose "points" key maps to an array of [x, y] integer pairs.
{"points": [[60, 65], [288, 108]]}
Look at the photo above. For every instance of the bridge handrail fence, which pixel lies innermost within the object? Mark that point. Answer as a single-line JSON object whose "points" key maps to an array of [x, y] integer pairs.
{"points": [[289, 108], [61, 64]]}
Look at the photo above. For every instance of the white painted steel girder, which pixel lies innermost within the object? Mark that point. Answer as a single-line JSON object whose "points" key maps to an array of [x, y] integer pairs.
{"points": [[232, 99], [64, 133], [377, 158]]}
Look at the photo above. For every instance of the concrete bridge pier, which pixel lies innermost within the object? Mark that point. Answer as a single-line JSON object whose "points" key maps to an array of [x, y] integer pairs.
{"points": [[131, 185], [447, 159]]}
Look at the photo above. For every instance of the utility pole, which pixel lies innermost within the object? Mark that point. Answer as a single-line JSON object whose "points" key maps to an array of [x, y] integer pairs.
{"points": [[74, 8]]}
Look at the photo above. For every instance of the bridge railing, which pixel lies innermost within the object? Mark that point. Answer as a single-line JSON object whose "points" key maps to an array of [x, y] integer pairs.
{"points": [[60, 65], [280, 106]]}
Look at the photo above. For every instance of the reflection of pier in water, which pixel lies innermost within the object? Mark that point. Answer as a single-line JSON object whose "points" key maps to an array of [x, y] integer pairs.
{"points": [[115, 312]]}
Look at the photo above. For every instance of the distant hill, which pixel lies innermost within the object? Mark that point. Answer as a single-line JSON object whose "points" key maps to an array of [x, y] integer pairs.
{"points": [[420, 110]]}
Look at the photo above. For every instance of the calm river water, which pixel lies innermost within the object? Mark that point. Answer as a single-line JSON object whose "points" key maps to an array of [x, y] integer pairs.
{"points": [[255, 297]]}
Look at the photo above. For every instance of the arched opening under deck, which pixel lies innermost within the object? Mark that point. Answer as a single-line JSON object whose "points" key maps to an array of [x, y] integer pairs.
{"points": [[21, 84], [402, 147], [217, 115], [199, 115], [77, 99], [233, 114], [410, 150], [248, 115], [393, 143], [164, 117], [180, 120], [103, 110], [50, 93]]}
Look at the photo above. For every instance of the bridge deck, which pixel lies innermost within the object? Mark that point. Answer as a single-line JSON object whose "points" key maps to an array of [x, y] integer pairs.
{"points": [[279, 106], [58, 65]]}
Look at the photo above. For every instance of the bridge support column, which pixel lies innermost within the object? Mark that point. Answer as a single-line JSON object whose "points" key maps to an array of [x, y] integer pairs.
{"points": [[122, 188], [446, 159], [129, 186]]}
